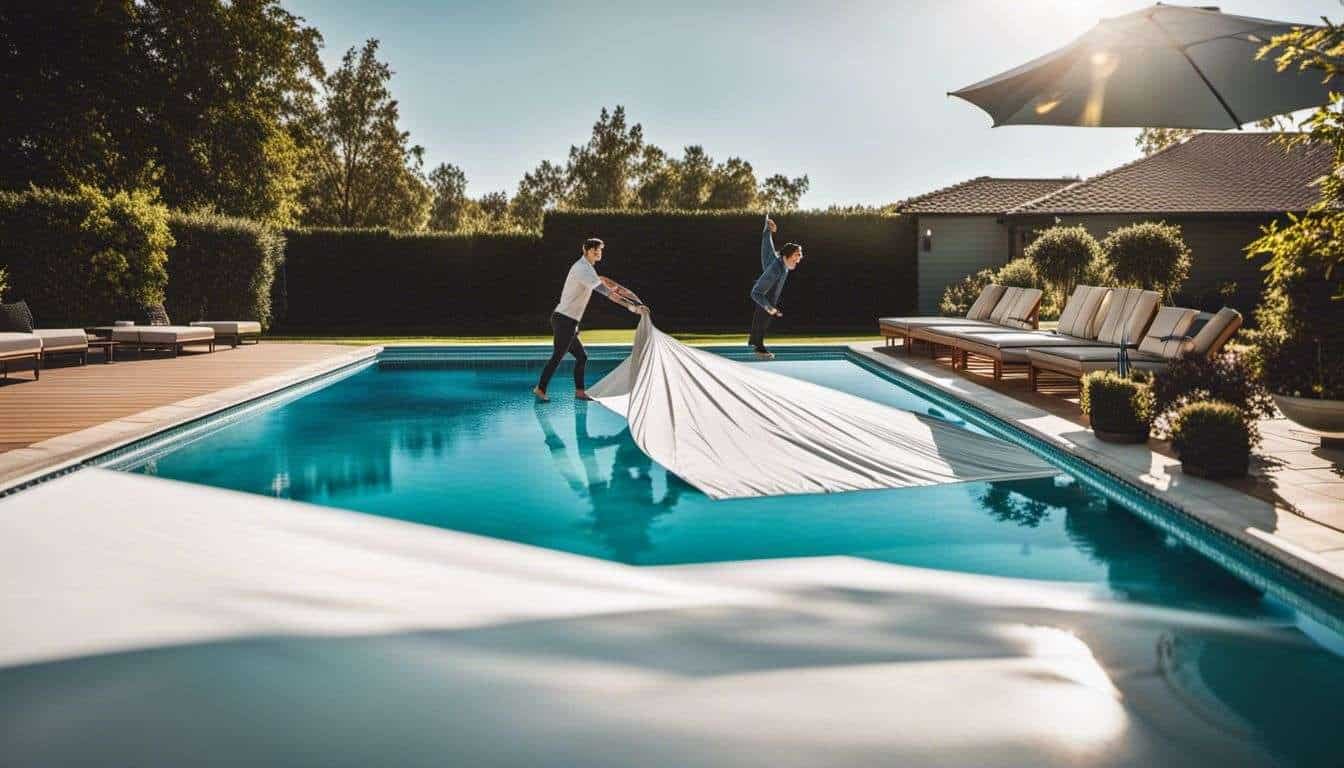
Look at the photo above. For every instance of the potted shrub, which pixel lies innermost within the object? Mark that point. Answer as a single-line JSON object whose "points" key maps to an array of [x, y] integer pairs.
{"points": [[1120, 409], [1194, 378], [1211, 439]]}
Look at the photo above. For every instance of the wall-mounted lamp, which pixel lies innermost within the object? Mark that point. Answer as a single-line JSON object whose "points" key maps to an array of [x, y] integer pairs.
{"points": [[926, 242]]}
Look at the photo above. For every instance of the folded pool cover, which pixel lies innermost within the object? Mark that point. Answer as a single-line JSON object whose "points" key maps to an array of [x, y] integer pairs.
{"points": [[734, 430]]}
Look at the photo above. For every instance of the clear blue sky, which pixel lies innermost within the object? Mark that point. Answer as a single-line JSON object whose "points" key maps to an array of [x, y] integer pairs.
{"points": [[850, 93]]}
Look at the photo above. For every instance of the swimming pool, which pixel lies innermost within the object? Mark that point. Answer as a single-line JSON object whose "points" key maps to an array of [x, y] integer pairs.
{"points": [[456, 441]]}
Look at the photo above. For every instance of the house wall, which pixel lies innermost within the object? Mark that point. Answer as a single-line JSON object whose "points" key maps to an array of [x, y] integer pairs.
{"points": [[960, 245], [1216, 250]]}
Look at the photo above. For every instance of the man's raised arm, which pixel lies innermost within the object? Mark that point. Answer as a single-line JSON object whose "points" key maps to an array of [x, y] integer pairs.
{"points": [[768, 255]]}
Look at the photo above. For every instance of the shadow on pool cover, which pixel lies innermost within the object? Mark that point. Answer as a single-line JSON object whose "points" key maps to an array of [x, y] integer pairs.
{"points": [[994, 674]]}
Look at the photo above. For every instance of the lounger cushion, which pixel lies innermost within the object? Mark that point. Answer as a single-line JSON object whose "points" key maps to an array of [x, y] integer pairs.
{"points": [[1166, 336], [1000, 311], [985, 302], [1023, 305], [1077, 361], [1217, 331], [162, 334], [62, 339], [908, 324], [19, 343], [1127, 315], [16, 318], [1081, 313], [229, 327]]}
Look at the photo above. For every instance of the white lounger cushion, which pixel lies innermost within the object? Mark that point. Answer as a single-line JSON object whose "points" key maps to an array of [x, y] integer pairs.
{"points": [[1127, 315], [1167, 335], [1020, 306], [62, 339], [906, 323], [19, 343], [1217, 331], [1084, 312], [985, 302], [230, 327], [161, 334]]}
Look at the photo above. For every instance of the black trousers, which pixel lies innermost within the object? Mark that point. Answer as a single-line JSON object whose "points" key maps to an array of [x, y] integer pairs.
{"points": [[760, 323], [566, 331]]}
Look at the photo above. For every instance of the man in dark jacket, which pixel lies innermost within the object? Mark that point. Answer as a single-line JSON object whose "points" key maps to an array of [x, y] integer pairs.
{"points": [[775, 266]]}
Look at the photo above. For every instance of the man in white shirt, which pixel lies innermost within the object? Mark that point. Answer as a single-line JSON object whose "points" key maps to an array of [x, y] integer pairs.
{"points": [[579, 286]]}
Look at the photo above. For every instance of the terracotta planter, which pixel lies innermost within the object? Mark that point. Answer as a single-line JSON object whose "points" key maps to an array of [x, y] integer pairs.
{"points": [[1107, 436], [1323, 416]]}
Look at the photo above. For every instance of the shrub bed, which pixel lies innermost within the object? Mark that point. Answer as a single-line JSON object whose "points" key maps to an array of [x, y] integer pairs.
{"points": [[221, 268], [85, 257]]}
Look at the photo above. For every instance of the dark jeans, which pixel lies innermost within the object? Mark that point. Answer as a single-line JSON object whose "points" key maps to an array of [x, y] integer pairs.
{"points": [[566, 340], [760, 323]]}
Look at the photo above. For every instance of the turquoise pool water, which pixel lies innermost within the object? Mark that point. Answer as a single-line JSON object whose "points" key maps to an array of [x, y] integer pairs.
{"points": [[464, 447]]}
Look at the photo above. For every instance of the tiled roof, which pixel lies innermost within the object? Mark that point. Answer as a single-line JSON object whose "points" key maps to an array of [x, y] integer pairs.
{"points": [[983, 194], [1208, 173]]}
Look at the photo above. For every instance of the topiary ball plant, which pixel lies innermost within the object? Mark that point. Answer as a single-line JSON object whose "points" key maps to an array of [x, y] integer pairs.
{"points": [[1063, 255], [1212, 439], [1150, 255], [1121, 409]]}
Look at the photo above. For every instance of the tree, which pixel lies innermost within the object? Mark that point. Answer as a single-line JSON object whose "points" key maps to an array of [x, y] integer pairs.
{"points": [[196, 97], [780, 193], [655, 179], [600, 172], [367, 174], [693, 175], [450, 197], [538, 192], [1151, 140], [733, 185]]}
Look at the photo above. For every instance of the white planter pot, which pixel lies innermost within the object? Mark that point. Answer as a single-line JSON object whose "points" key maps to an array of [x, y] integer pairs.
{"points": [[1324, 416]]}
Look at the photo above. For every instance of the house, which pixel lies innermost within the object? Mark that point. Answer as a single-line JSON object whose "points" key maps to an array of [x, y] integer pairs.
{"points": [[1219, 188], [964, 228]]}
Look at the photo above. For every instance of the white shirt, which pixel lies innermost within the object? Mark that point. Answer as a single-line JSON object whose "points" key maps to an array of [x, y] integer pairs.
{"points": [[579, 286]]}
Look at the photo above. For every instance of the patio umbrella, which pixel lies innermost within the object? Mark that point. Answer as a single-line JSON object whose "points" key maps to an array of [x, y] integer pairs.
{"points": [[1165, 67]]}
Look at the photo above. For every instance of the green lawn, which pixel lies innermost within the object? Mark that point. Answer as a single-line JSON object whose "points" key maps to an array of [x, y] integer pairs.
{"points": [[624, 336]]}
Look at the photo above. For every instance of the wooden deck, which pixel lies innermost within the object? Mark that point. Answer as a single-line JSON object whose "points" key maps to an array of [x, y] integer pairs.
{"points": [[70, 397]]}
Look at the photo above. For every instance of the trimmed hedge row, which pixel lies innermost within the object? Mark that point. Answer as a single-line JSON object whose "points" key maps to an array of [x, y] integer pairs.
{"points": [[84, 257], [222, 268], [696, 269], [373, 279]]}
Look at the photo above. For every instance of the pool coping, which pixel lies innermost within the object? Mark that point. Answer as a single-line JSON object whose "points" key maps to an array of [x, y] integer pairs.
{"points": [[1307, 548], [42, 461]]}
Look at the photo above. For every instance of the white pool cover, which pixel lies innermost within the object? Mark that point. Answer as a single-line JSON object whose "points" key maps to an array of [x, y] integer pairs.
{"points": [[734, 430]]}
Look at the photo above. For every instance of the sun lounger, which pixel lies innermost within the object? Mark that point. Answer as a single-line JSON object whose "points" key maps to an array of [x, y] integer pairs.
{"points": [[1167, 338], [1018, 310], [233, 331], [893, 328], [160, 334], [63, 341], [20, 346], [1090, 312]]}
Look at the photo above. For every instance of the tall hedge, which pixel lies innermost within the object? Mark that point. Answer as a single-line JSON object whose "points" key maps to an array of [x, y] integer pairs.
{"points": [[222, 268], [84, 257], [696, 269], [372, 278]]}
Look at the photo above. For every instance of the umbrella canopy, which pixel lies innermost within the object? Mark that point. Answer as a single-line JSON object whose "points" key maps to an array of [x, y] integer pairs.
{"points": [[1162, 67]]}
